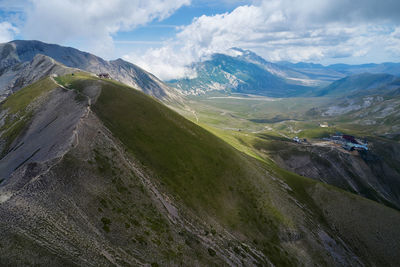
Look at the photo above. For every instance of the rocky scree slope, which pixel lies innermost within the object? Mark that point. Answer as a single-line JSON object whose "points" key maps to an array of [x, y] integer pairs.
{"points": [[126, 181]]}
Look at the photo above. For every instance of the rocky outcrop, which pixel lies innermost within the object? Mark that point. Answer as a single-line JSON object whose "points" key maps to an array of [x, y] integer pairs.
{"points": [[19, 75]]}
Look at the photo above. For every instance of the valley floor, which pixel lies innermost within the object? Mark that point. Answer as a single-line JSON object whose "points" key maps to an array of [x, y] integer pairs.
{"points": [[266, 128]]}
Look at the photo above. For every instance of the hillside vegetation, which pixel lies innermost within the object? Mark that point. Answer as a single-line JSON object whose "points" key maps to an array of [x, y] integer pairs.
{"points": [[139, 184]]}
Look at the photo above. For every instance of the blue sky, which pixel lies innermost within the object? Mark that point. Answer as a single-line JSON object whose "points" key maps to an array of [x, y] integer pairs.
{"points": [[165, 36]]}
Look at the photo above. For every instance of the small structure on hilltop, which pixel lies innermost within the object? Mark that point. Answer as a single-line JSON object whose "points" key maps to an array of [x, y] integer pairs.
{"points": [[104, 76]]}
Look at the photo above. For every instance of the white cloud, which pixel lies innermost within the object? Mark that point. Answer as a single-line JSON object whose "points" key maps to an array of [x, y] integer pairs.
{"points": [[292, 30], [7, 32], [393, 41], [92, 21], [166, 63]]}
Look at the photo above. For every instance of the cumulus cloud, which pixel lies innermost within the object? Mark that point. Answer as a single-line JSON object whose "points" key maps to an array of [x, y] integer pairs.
{"points": [[92, 21], [292, 30], [7, 32]]}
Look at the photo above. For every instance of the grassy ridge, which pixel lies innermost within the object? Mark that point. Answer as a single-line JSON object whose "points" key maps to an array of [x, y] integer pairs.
{"points": [[204, 172], [170, 144], [73, 81]]}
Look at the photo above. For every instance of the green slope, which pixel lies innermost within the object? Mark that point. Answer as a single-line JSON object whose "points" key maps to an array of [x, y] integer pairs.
{"points": [[204, 172]]}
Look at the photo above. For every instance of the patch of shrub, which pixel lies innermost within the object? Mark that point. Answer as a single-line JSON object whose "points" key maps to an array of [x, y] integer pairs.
{"points": [[211, 252], [106, 224]]}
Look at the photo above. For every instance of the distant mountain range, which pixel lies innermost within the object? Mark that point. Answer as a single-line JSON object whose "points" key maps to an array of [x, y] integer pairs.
{"points": [[242, 71], [344, 69], [356, 83], [388, 67], [236, 75], [245, 72], [17, 56]]}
